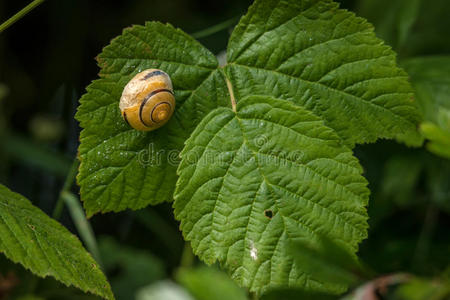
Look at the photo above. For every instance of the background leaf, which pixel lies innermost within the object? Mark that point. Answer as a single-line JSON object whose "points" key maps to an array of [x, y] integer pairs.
{"points": [[280, 176], [166, 290], [394, 24], [208, 283], [430, 76], [289, 49], [431, 79], [134, 268], [42, 245], [413, 28]]}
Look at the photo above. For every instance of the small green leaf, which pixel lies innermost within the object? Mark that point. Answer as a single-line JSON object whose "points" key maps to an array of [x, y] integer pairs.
{"points": [[124, 168], [253, 180], [287, 49], [439, 139], [29, 237]]}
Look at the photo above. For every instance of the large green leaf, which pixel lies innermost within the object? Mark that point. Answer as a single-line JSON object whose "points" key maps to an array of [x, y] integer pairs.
{"points": [[29, 237], [290, 48], [254, 180], [124, 168], [308, 51]]}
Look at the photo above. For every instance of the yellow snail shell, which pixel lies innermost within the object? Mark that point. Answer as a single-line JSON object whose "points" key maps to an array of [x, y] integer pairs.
{"points": [[147, 101]]}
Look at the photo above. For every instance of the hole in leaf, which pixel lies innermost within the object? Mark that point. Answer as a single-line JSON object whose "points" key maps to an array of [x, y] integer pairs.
{"points": [[268, 213]]}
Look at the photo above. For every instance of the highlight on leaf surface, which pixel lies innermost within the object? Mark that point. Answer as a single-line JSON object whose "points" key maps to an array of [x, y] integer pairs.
{"points": [[268, 156], [29, 237]]}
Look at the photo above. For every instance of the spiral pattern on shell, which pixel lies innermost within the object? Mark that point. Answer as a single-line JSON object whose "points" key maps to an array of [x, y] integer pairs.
{"points": [[147, 101]]}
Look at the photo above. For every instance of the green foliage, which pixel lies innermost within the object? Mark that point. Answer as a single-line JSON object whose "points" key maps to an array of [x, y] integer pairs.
{"points": [[281, 175], [431, 79], [395, 23], [310, 81], [327, 261], [208, 283], [289, 49], [422, 289], [289, 294], [412, 27], [430, 76], [167, 290], [42, 245], [136, 268], [309, 52], [268, 186], [121, 167]]}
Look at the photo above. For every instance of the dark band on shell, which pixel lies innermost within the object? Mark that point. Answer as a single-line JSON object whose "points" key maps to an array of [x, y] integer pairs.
{"points": [[154, 73], [125, 118], [145, 101]]}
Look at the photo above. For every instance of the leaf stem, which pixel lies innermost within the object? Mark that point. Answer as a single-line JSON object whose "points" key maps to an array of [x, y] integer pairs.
{"points": [[230, 91], [24, 11], [66, 187], [215, 28], [82, 224]]}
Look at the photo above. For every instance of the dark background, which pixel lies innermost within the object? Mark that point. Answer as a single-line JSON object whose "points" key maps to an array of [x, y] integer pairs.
{"points": [[47, 60]]}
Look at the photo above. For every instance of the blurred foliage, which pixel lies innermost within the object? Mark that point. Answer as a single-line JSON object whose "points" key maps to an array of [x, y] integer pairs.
{"points": [[209, 283], [163, 290], [431, 78], [130, 268], [47, 59]]}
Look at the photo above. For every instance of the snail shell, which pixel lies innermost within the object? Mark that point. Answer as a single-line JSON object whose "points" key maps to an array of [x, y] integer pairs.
{"points": [[147, 101]]}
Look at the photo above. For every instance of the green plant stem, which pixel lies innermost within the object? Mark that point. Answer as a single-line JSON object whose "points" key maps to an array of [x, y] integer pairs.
{"points": [[187, 257], [215, 28], [82, 224], [66, 187], [425, 237], [24, 11]]}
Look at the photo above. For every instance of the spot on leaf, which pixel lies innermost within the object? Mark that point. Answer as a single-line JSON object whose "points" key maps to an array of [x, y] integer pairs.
{"points": [[268, 213]]}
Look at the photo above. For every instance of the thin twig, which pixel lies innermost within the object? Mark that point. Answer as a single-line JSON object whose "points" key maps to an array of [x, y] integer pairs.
{"points": [[66, 188], [23, 12], [82, 224], [215, 28]]}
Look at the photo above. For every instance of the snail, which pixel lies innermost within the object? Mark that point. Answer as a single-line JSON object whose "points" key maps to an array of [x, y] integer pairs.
{"points": [[147, 101]]}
